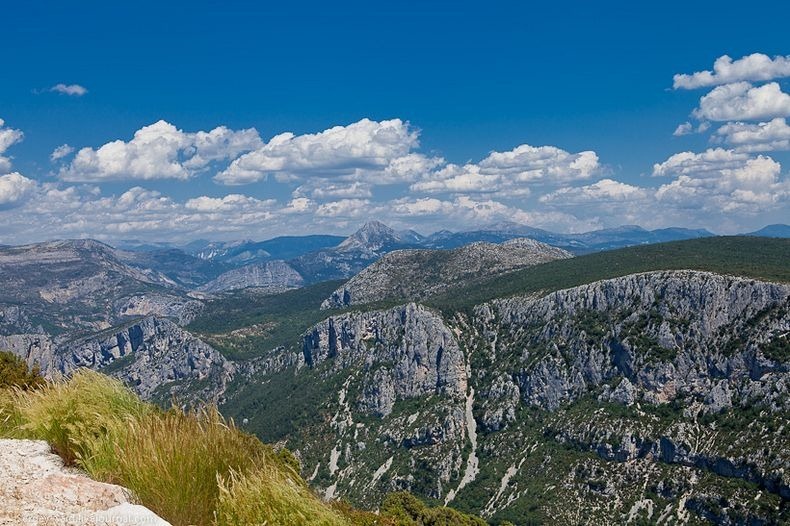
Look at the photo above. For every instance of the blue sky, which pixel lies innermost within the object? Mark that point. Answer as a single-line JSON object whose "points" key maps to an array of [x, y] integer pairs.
{"points": [[447, 109]]}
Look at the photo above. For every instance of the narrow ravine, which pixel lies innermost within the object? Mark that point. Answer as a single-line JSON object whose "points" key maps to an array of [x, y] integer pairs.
{"points": [[472, 462]]}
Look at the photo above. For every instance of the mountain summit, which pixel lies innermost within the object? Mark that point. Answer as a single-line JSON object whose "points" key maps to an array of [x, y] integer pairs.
{"points": [[375, 236]]}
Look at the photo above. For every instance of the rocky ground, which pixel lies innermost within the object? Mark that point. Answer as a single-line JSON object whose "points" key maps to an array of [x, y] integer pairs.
{"points": [[37, 490], [420, 273]]}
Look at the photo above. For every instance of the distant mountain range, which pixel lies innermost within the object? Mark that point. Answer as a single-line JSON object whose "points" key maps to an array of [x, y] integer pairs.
{"points": [[778, 230], [586, 242], [292, 261]]}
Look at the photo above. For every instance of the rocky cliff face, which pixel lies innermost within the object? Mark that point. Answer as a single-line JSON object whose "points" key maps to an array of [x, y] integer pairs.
{"points": [[406, 352], [154, 356], [270, 276], [419, 274], [653, 396]]}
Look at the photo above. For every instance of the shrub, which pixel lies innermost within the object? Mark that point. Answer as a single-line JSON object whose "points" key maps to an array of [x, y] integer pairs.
{"points": [[269, 496], [408, 510], [14, 372]]}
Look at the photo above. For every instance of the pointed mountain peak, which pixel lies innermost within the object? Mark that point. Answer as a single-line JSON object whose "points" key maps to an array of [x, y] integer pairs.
{"points": [[373, 236]]}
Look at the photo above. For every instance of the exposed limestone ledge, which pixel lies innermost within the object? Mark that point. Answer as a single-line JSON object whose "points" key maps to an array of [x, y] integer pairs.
{"points": [[36, 489]]}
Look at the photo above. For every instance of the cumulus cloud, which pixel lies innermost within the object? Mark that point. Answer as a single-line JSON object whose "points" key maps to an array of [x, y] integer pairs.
{"points": [[73, 90], [322, 189], [754, 67], [742, 101], [229, 202], [687, 129], [60, 152], [761, 137], [14, 188], [455, 178], [722, 181], [689, 163], [424, 206], [159, 151], [8, 137], [465, 211], [529, 163], [512, 172], [365, 150], [603, 191], [49, 210], [347, 208]]}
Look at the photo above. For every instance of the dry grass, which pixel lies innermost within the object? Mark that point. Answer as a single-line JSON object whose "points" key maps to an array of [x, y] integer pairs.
{"points": [[190, 468]]}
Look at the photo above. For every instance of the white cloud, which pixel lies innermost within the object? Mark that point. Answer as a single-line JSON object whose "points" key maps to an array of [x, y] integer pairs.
{"points": [[424, 206], [74, 90], [603, 191], [347, 208], [365, 150], [742, 101], [527, 163], [323, 189], [511, 173], [14, 188], [158, 151], [455, 178], [722, 181], [468, 212], [754, 67], [761, 137], [687, 129], [230, 202], [688, 163], [8, 137], [64, 150]]}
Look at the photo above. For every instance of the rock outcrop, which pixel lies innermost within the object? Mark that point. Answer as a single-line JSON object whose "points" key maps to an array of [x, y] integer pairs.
{"points": [[36, 489], [421, 273], [406, 352], [154, 356], [269, 276]]}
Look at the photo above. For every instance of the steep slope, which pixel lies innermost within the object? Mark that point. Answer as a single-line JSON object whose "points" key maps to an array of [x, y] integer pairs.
{"points": [[74, 286], [154, 356], [355, 253], [270, 276], [650, 395], [247, 252], [183, 269], [603, 388], [419, 274]]}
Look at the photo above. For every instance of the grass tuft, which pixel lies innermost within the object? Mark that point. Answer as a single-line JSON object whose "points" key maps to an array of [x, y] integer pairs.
{"points": [[191, 468]]}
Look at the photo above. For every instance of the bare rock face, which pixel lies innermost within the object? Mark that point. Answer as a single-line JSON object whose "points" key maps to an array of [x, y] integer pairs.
{"points": [[407, 352], [419, 274], [670, 334], [271, 276], [181, 309], [35, 489], [154, 356]]}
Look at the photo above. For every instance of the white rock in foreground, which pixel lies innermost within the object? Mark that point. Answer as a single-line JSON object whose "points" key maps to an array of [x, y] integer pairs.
{"points": [[36, 488]]}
